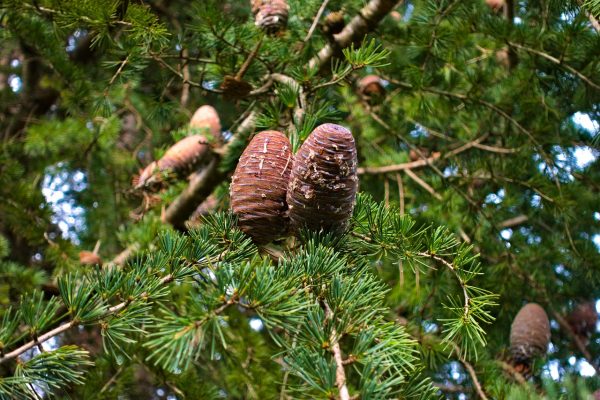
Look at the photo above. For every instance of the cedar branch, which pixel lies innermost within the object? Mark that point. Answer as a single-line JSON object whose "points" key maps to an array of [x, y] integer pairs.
{"points": [[340, 373], [366, 20], [65, 327]]}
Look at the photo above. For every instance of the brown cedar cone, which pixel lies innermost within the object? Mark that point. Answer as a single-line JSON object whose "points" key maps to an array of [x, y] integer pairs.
{"points": [[371, 87], [495, 5], [502, 57], [323, 183], [333, 23], [235, 88], [414, 155], [89, 258], [207, 118], [270, 15], [529, 334], [396, 16], [181, 159], [583, 319], [259, 185]]}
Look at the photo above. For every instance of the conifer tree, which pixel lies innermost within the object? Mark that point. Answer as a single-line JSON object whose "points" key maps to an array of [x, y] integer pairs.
{"points": [[274, 199]]}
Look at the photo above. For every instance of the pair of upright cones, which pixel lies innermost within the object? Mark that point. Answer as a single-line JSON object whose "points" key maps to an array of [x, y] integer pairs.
{"points": [[273, 191]]}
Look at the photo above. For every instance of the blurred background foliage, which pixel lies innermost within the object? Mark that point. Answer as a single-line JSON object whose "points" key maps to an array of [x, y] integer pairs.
{"points": [[486, 122]]}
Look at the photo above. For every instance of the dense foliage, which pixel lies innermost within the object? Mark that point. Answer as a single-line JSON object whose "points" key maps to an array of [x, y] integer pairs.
{"points": [[479, 193]]}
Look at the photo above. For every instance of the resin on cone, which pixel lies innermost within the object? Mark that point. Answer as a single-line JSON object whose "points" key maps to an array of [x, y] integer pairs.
{"points": [[180, 159], [324, 182], [259, 186], [529, 334], [270, 15], [207, 118]]}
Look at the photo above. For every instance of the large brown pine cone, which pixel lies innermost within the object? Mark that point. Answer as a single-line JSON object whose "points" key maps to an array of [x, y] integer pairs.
{"points": [[529, 334], [583, 319], [270, 15], [324, 182], [207, 118], [180, 159], [259, 185]]}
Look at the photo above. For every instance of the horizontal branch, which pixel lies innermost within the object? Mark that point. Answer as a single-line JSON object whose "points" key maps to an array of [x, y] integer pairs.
{"points": [[64, 327], [423, 184], [366, 20], [399, 167], [557, 62], [424, 161], [511, 222]]}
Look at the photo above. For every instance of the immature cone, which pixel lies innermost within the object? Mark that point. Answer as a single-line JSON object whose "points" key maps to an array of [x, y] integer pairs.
{"points": [[502, 57], [583, 319], [270, 15], [259, 185], [323, 183], [371, 87], [206, 117], [495, 5], [396, 16], [333, 23], [181, 159], [529, 334], [415, 155], [235, 88], [89, 258]]}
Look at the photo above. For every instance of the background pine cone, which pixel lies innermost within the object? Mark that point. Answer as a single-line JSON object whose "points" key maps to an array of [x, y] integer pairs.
{"points": [[181, 159], [371, 87], [529, 334], [259, 185], [270, 15], [583, 319], [333, 23], [235, 88], [207, 118], [323, 183], [89, 258], [495, 5]]}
